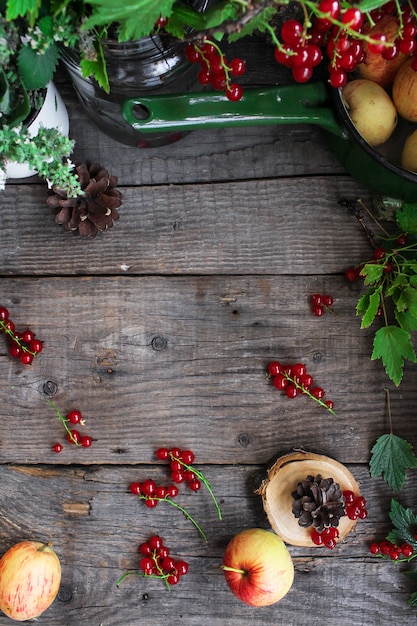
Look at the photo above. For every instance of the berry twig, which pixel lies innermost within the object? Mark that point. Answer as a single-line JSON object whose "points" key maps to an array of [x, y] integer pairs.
{"points": [[180, 508]]}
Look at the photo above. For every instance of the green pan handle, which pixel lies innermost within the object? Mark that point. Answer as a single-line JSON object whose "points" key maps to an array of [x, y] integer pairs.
{"points": [[287, 104]]}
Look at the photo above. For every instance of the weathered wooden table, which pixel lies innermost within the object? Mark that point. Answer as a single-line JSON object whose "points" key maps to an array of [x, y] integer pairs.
{"points": [[160, 331]]}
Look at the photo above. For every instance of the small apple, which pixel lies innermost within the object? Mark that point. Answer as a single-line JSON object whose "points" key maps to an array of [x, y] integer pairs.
{"points": [[258, 567], [404, 91], [374, 66], [371, 110], [30, 576], [409, 153]]}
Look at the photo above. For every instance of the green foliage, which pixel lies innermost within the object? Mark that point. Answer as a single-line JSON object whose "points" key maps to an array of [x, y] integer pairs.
{"points": [[36, 70], [405, 525], [394, 278], [391, 456]]}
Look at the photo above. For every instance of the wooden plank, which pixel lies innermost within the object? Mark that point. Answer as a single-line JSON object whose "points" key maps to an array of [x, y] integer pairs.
{"points": [[282, 226], [96, 527], [185, 357]]}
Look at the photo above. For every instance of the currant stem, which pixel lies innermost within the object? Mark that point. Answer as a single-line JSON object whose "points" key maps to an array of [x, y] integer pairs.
{"points": [[180, 508], [64, 422], [10, 333], [142, 575], [309, 394], [204, 480]]}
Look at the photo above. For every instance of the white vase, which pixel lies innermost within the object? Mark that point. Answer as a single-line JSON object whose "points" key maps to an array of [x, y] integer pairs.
{"points": [[53, 114]]}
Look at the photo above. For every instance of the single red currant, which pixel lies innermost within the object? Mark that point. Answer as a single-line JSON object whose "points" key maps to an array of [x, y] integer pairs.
{"points": [[86, 441], [162, 454], [375, 548], [155, 542], [74, 437], [74, 417], [135, 488], [58, 447]]}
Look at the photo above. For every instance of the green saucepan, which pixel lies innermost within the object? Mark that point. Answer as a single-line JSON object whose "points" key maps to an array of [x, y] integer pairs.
{"points": [[311, 103]]}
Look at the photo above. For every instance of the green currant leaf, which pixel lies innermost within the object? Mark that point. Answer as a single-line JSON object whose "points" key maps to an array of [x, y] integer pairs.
{"points": [[412, 601], [407, 300], [405, 524], [97, 69], [393, 344], [406, 320], [363, 303], [370, 313], [258, 23], [36, 69], [397, 283], [407, 218], [372, 273], [19, 8], [391, 456]]}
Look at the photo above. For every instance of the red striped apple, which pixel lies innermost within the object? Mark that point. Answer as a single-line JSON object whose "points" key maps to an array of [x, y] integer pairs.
{"points": [[258, 567], [30, 576], [374, 66]]}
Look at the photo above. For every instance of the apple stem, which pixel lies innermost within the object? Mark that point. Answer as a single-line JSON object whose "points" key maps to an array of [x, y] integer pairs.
{"points": [[226, 568], [44, 546]]}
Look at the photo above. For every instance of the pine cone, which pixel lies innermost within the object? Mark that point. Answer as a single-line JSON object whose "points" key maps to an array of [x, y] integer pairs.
{"points": [[95, 210], [318, 502]]}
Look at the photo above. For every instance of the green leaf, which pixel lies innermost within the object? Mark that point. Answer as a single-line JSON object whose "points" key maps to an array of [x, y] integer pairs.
{"points": [[372, 273], [391, 456], [393, 344], [407, 218], [372, 308], [406, 320], [97, 69], [405, 524], [407, 300], [19, 8], [258, 23], [36, 69]]}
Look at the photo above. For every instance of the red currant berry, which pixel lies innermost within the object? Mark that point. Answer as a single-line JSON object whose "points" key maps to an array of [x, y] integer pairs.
{"points": [[26, 358], [193, 53], [181, 567], [74, 437], [58, 447], [407, 550], [135, 488], [86, 441], [318, 310], [234, 92], [155, 542], [274, 368], [74, 416], [349, 496], [28, 336], [316, 538], [146, 565], [337, 78], [353, 18], [328, 300], [172, 491], [330, 543], [291, 391], [175, 452], [394, 553], [237, 67], [306, 380], [145, 548], [189, 476], [160, 492], [162, 552], [363, 514], [168, 564], [148, 487], [379, 253], [195, 485], [351, 275], [329, 404], [360, 502], [298, 370], [187, 457], [375, 548], [317, 392], [292, 32], [173, 579], [385, 547], [316, 298], [4, 314], [15, 350], [162, 454], [280, 382], [401, 240], [176, 466], [151, 503], [36, 346], [177, 477]]}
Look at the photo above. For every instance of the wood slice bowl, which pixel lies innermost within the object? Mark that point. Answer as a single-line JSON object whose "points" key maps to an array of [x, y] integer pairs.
{"points": [[282, 479]]}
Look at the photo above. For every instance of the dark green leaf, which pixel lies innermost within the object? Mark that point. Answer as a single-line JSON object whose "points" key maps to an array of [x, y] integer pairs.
{"points": [[407, 300], [19, 8], [370, 313], [35, 69], [393, 344], [407, 218], [97, 69], [372, 273], [391, 456], [258, 23], [405, 524], [412, 601], [406, 320]]}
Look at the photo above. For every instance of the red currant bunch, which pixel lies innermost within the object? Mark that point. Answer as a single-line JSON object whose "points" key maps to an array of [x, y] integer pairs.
{"points": [[389, 550], [152, 493], [24, 346], [215, 70], [180, 465], [295, 380], [321, 303], [327, 537], [73, 435], [355, 505], [156, 561]]}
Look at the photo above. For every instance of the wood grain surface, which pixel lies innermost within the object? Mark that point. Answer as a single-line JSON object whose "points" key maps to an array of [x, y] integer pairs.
{"points": [[160, 331]]}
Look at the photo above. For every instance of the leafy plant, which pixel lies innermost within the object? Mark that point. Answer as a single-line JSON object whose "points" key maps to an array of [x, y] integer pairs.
{"points": [[392, 456], [390, 278]]}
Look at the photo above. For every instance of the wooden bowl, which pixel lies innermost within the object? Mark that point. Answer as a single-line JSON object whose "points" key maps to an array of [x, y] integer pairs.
{"points": [[282, 479]]}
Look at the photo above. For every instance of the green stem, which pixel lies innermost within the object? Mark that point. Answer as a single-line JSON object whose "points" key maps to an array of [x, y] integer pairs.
{"points": [[204, 480], [309, 394], [64, 422], [141, 575], [11, 334], [180, 508]]}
